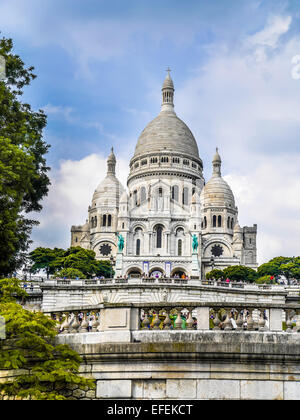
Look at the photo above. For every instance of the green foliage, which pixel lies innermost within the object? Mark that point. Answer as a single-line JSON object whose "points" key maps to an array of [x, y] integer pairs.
{"points": [[44, 369], [70, 273], [240, 273], [215, 274], [269, 268], [23, 171], [265, 280], [46, 259], [63, 262], [287, 266]]}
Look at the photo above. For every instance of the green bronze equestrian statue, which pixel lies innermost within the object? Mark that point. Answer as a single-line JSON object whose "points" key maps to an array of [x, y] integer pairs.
{"points": [[195, 243], [120, 242]]}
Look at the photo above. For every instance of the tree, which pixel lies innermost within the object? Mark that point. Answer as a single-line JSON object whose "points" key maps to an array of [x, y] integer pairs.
{"points": [[215, 274], [45, 370], [240, 273], [290, 270], [265, 280], [46, 259], [23, 171], [268, 269], [287, 266], [81, 259], [63, 262], [71, 273]]}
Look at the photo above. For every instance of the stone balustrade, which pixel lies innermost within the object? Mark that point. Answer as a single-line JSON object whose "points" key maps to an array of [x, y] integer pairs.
{"points": [[172, 281], [179, 316]]}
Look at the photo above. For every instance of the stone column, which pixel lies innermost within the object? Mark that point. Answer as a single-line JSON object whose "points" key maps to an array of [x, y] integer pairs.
{"points": [[195, 265], [119, 265], [202, 318], [275, 319]]}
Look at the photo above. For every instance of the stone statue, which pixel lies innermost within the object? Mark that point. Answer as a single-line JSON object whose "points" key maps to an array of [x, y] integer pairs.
{"points": [[195, 243], [120, 242]]}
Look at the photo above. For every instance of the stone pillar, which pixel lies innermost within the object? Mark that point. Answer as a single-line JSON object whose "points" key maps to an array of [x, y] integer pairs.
{"points": [[202, 318], [119, 265], [116, 323], [275, 319], [195, 265]]}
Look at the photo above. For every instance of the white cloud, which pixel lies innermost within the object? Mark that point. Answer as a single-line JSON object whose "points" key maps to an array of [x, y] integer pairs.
{"points": [[60, 111], [250, 110], [70, 194], [275, 27], [268, 196]]}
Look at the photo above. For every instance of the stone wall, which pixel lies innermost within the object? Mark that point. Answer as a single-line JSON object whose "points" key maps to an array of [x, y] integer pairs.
{"points": [[192, 365]]}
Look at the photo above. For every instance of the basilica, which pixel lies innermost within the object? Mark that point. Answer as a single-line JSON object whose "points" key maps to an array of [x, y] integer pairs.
{"points": [[172, 223]]}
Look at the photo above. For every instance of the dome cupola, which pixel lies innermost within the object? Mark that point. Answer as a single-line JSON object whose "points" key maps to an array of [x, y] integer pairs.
{"points": [[217, 192], [166, 145], [110, 189]]}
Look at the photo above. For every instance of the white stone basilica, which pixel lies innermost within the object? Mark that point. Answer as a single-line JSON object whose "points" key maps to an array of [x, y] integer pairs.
{"points": [[166, 206]]}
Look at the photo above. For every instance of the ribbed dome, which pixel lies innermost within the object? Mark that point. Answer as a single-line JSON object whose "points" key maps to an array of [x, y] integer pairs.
{"points": [[167, 132], [109, 190], [217, 193]]}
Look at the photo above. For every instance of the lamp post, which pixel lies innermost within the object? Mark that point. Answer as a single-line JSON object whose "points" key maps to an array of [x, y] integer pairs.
{"points": [[212, 261]]}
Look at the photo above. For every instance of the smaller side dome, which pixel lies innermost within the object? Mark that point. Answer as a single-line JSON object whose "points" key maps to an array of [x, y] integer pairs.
{"points": [[110, 189], [217, 192]]}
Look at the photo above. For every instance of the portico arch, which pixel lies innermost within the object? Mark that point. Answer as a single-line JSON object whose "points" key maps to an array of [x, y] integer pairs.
{"points": [[178, 272], [156, 272], [134, 272]]}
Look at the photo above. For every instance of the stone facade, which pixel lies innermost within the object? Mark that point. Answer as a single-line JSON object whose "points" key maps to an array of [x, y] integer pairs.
{"points": [[166, 205], [194, 366]]}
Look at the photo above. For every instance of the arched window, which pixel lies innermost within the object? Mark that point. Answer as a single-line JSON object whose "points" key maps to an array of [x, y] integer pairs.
{"points": [[160, 192], [175, 193], [232, 223], [109, 220], [219, 221], [228, 222], [135, 202], [205, 222], [138, 247], [214, 221], [179, 231], [104, 220], [123, 225], [159, 230], [143, 194], [185, 196], [179, 247]]}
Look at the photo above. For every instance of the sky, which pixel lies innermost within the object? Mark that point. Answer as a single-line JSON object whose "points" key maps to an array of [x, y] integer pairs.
{"points": [[100, 68]]}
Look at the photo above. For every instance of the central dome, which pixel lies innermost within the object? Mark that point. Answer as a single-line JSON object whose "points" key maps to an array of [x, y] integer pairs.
{"points": [[167, 133]]}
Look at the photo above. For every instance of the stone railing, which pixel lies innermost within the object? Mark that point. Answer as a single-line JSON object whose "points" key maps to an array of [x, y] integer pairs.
{"points": [[179, 316], [169, 281], [76, 321]]}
